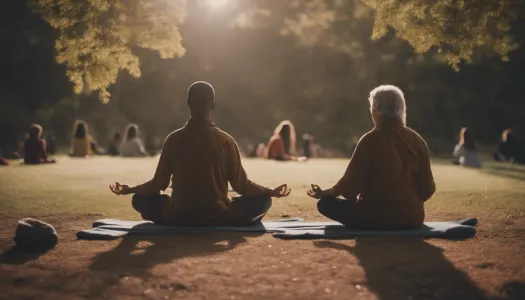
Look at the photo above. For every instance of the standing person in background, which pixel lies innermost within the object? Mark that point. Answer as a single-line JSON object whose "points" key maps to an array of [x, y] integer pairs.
{"points": [[509, 149], [465, 151], [82, 143], [114, 145], [35, 147], [132, 145]]}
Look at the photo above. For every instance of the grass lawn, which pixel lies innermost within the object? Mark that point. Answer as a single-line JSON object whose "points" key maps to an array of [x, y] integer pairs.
{"points": [[73, 193]]}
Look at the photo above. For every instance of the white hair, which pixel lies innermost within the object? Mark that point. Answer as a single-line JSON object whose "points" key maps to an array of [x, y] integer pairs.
{"points": [[388, 101]]}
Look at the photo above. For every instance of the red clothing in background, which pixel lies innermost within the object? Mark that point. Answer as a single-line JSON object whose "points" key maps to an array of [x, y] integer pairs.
{"points": [[276, 148], [35, 151]]}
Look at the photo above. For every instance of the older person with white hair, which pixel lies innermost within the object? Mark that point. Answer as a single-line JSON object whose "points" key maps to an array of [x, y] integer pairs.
{"points": [[388, 178]]}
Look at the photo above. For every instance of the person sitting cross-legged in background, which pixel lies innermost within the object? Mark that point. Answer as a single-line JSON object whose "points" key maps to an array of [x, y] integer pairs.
{"points": [[35, 147], [510, 149], [388, 178], [82, 144], [201, 159], [132, 145], [465, 151]]}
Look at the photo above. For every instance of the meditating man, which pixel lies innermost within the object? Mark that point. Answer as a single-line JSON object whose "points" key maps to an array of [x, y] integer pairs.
{"points": [[388, 178], [201, 159]]}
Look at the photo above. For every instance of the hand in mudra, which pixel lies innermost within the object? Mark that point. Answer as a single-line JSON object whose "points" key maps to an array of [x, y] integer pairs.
{"points": [[119, 189], [316, 192], [281, 191]]}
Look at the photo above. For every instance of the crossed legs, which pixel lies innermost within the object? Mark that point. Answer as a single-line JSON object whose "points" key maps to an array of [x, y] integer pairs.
{"points": [[251, 209], [340, 210]]}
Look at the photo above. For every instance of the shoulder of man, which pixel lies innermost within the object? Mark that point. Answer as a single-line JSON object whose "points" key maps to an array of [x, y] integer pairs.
{"points": [[226, 136]]}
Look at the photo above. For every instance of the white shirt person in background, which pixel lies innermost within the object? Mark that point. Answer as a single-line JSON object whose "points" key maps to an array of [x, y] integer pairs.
{"points": [[465, 151], [132, 145]]}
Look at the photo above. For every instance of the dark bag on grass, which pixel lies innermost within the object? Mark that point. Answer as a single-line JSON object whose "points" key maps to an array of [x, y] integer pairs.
{"points": [[35, 235]]}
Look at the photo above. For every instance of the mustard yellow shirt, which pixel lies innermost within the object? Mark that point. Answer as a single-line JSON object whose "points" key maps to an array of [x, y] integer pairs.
{"points": [[81, 147], [200, 159]]}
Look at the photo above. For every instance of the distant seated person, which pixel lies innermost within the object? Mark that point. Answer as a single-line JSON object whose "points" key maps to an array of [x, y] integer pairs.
{"points": [[3, 160], [132, 145], [388, 178], [465, 152], [282, 143], [200, 159], [510, 149], [82, 144], [308, 141], [260, 151], [51, 144], [114, 145], [35, 147]]}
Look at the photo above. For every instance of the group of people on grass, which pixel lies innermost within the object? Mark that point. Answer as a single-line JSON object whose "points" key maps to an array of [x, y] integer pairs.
{"points": [[466, 153], [384, 186], [35, 147]]}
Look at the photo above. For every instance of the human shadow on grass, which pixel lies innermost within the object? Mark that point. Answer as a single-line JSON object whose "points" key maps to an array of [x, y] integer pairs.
{"points": [[18, 256], [408, 268], [505, 170], [135, 256]]}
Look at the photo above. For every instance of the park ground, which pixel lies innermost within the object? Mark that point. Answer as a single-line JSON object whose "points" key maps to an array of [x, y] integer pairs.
{"points": [[74, 193]]}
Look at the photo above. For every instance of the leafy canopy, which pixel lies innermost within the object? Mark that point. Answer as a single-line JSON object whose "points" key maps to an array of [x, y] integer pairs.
{"points": [[97, 36]]}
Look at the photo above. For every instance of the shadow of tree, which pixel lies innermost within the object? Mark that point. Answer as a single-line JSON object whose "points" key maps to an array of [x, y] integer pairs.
{"points": [[135, 256], [506, 170], [500, 169], [409, 268]]}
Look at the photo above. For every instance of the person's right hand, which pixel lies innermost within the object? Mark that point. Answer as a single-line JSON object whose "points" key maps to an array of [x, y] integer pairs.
{"points": [[119, 189], [280, 191]]}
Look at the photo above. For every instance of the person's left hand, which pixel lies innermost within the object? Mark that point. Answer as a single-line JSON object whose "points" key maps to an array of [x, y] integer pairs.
{"points": [[316, 192], [120, 189]]}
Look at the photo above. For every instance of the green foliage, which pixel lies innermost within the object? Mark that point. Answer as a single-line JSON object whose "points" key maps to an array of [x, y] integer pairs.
{"points": [[97, 36], [455, 28]]}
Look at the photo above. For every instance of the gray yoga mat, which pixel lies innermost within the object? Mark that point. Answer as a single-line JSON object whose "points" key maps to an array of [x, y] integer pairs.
{"points": [[109, 229]]}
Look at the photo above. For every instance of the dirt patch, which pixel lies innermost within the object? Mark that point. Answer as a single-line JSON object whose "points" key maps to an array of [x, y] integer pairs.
{"points": [[237, 266]]}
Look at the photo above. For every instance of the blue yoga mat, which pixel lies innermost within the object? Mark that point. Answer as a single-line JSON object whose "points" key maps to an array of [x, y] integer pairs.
{"points": [[296, 228]]}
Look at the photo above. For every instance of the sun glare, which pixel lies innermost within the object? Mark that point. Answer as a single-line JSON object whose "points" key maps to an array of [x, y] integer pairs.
{"points": [[217, 3]]}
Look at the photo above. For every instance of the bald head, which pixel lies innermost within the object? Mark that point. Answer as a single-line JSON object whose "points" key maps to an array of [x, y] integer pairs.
{"points": [[201, 98]]}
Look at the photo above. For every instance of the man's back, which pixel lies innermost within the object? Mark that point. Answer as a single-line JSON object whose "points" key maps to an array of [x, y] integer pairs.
{"points": [[198, 154], [399, 180], [201, 159]]}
